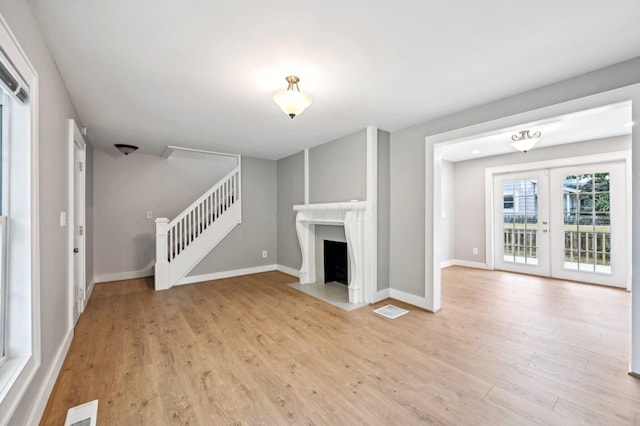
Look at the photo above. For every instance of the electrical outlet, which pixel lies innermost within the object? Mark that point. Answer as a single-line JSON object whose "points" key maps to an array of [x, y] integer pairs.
{"points": [[264, 253], [475, 250]]}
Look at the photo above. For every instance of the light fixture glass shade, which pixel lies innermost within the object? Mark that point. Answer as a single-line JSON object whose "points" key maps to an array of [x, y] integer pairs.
{"points": [[292, 101], [126, 149], [525, 141], [525, 145]]}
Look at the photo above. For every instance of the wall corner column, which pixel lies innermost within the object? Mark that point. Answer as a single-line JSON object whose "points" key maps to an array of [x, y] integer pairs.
{"points": [[371, 217], [162, 267]]}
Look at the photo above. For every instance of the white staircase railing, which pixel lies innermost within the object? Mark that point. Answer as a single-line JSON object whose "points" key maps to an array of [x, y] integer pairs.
{"points": [[183, 242]]}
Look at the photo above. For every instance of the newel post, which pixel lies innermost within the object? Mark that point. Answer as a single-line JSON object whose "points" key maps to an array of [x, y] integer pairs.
{"points": [[162, 254]]}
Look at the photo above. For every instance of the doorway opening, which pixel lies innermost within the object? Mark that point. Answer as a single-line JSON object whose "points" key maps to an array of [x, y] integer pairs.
{"points": [[436, 216], [463, 234]]}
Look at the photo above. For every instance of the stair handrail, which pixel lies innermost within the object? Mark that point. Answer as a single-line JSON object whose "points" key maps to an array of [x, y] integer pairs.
{"points": [[211, 190], [169, 247]]}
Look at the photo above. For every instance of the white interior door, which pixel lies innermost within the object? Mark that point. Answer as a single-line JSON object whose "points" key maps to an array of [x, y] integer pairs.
{"points": [[588, 234], [77, 222], [521, 221]]}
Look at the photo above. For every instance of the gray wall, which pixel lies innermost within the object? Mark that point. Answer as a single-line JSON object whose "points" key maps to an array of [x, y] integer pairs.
{"points": [[469, 187], [338, 170], [384, 207], [449, 210], [126, 187], [290, 193], [55, 108], [89, 212], [409, 171], [243, 247]]}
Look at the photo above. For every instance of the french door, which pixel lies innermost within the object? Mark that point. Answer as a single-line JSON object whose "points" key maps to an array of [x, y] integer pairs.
{"points": [[563, 222], [588, 232], [522, 222]]}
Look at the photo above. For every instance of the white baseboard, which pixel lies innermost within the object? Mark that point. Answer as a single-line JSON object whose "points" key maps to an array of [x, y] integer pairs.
{"points": [[287, 270], [381, 295], [447, 263], [51, 376], [88, 294], [467, 263], [411, 299], [147, 271], [226, 274], [118, 276]]}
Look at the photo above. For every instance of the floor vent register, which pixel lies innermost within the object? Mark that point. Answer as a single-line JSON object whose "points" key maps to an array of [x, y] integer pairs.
{"points": [[391, 311], [82, 415]]}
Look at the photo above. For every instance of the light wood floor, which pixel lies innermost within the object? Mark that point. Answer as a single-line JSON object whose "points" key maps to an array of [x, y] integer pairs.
{"points": [[505, 350]]}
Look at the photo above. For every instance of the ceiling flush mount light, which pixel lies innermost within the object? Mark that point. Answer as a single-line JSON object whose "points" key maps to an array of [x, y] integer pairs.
{"points": [[524, 142], [126, 149], [292, 101]]}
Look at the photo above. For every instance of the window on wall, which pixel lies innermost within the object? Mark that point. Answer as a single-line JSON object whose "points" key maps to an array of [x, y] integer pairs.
{"points": [[19, 272], [508, 202], [3, 231]]}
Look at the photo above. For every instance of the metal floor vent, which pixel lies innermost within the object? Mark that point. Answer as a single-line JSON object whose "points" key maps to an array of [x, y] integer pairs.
{"points": [[391, 311], [82, 415]]}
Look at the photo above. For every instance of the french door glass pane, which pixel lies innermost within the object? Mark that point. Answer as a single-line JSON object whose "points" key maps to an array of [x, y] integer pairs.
{"points": [[587, 222], [520, 221]]}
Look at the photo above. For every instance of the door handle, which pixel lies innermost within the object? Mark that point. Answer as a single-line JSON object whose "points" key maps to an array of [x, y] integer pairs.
{"points": [[75, 250]]}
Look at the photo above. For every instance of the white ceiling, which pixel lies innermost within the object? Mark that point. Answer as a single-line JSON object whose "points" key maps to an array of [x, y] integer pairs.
{"points": [[598, 123], [201, 73]]}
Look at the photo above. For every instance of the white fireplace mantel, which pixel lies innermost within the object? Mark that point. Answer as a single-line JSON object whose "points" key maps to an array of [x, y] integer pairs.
{"points": [[351, 215]]}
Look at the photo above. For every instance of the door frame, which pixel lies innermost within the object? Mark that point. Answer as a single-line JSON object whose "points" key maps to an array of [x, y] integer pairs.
{"points": [[609, 157], [76, 140]]}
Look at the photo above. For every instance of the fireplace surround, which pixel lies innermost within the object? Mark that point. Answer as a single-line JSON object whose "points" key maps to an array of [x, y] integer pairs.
{"points": [[351, 215]]}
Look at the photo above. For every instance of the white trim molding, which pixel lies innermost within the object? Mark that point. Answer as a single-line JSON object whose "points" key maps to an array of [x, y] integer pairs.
{"points": [[447, 263], [50, 380], [89, 292], [288, 270], [129, 275], [226, 274], [411, 299], [170, 149], [382, 295], [371, 216], [306, 176], [191, 279], [465, 263]]}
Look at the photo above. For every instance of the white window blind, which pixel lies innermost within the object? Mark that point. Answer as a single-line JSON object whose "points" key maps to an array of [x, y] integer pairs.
{"points": [[11, 81]]}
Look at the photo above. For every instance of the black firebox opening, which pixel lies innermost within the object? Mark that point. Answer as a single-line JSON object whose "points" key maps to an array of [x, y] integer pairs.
{"points": [[335, 262]]}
